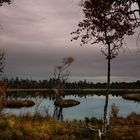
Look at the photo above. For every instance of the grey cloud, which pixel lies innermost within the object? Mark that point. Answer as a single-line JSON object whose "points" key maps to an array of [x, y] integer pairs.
{"points": [[36, 34]]}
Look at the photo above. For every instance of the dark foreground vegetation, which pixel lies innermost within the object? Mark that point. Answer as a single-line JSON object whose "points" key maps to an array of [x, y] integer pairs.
{"points": [[36, 127], [125, 128]]}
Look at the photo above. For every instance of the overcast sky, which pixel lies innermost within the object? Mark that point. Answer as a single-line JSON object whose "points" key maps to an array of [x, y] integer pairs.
{"points": [[36, 36]]}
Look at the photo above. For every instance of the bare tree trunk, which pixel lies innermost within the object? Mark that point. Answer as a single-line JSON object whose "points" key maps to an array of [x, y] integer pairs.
{"points": [[108, 90], [138, 1]]}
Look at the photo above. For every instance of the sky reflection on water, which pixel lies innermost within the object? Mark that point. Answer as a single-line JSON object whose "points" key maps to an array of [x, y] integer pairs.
{"points": [[90, 106]]}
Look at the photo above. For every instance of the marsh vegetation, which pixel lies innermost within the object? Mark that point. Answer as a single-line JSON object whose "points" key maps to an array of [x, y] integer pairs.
{"points": [[37, 127]]}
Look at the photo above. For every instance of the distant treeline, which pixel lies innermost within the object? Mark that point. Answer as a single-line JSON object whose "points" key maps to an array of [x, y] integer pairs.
{"points": [[48, 84]]}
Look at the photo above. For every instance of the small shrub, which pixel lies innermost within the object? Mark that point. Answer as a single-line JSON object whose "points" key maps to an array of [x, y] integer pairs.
{"points": [[114, 111], [87, 120]]}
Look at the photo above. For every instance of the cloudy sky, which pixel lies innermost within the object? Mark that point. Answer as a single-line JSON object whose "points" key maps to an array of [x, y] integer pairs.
{"points": [[36, 36]]}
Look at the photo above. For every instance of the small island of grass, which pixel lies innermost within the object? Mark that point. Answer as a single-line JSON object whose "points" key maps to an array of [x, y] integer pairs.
{"points": [[134, 97], [17, 103], [66, 103]]}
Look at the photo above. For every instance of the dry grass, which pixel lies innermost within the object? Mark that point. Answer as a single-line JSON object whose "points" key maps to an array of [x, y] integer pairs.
{"points": [[32, 128], [125, 128], [37, 128]]}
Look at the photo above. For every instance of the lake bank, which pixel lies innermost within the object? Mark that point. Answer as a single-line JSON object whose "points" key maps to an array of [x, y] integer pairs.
{"points": [[134, 97], [75, 92], [36, 127], [97, 89]]}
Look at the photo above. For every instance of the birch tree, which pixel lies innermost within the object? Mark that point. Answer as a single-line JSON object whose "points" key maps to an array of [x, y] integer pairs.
{"points": [[107, 23]]}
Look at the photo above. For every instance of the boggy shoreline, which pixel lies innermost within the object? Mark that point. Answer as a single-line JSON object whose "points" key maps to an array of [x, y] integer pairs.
{"points": [[16, 103], [134, 97]]}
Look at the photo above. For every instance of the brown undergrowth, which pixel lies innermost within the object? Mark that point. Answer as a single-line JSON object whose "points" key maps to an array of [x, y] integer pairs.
{"points": [[124, 128], [29, 127]]}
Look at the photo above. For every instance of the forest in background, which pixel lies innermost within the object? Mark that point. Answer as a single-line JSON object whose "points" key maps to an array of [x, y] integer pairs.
{"points": [[17, 83]]}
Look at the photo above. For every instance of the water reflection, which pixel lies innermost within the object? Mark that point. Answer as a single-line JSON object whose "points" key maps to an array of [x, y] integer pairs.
{"points": [[57, 110], [91, 105], [58, 113], [49, 94]]}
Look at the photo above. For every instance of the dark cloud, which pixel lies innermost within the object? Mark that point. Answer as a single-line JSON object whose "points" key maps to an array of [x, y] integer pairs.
{"points": [[36, 35]]}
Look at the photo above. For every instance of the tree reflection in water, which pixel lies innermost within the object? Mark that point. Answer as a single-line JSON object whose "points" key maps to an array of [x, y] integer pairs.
{"points": [[58, 113], [60, 103]]}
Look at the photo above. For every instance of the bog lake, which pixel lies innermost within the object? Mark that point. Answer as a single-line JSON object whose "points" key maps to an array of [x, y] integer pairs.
{"points": [[90, 105]]}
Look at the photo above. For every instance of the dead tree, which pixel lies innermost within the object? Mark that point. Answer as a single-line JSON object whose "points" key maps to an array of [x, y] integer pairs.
{"points": [[61, 74]]}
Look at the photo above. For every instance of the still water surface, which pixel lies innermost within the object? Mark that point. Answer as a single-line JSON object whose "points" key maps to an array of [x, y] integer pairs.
{"points": [[89, 106]]}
